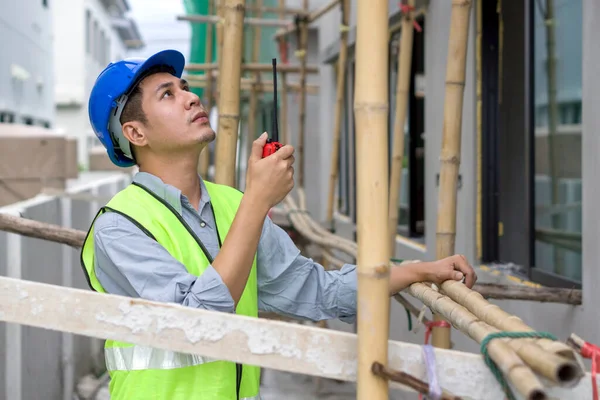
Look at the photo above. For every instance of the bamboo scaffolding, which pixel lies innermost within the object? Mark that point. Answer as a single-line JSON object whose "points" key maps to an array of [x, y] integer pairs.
{"points": [[254, 92], [371, 115], [219, 63], [263, 86], [214, 19], [284, 88], [451, 139], [204, 161], [339, 107], [512, 366], [281, 10], [494, 315], [229, 93], [302, 54], [312, 17], [402, 97], [290, 69]]}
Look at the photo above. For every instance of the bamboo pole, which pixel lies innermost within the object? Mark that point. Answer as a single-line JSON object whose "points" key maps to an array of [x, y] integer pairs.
{"points": [[281, 10], [204, 161], [402, 96], [479, 142], [229, 99], [219, 63], [339, 107], [494, 315], [371, 115], [214, 19], [254, 91], [302, 54], [284, 88], [552, 120], [451, 139], [310, 69]]}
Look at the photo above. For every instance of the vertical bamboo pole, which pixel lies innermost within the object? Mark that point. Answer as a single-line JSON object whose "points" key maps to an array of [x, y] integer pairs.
{"points": [[219, 29], [552, 120], [402, 96], [254, 92], [339, 107], [479, 88], [205, 155], [229, 100], [371, 115], [302, 54], [283, 129], [451, 136]]}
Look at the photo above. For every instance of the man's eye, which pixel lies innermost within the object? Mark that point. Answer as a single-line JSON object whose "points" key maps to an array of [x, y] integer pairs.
{"points": [[186, 88], [168, 92]]}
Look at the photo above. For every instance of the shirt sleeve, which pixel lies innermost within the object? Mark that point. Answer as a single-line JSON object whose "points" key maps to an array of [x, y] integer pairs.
{"points": [[293, 285], [129, 263]]}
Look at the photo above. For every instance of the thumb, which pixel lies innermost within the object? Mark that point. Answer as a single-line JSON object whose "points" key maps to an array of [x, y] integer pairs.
{"points": [[457, 275], [257, 146]]}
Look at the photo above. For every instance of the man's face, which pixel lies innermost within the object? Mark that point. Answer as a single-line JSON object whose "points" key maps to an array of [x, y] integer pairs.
{"points": [[176, 119]]}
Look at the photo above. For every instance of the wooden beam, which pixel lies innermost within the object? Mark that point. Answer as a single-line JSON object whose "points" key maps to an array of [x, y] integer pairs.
{"points": [[256, 67], [264, 86], [265, 343], [214, 19]]}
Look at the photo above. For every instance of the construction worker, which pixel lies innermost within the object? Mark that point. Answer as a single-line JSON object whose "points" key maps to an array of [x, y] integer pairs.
{"points": [[171, 236]]}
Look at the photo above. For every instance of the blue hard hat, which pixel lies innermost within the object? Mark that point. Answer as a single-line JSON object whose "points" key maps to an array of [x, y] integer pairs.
{"points": [[110, 93]]}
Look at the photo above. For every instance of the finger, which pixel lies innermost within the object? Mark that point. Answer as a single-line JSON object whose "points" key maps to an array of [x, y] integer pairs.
{"points": [[463, 266], [257, 147], [285, 152]]}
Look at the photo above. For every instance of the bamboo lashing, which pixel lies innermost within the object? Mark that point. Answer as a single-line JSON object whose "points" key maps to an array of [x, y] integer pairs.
{"points": [[312, 17], [371, 116], [229, 99], [339, 107], [451, 139], [204, 161], [402, 96]]}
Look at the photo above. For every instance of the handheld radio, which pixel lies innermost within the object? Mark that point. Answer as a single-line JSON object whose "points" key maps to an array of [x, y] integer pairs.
{"points": [[273, 142]]}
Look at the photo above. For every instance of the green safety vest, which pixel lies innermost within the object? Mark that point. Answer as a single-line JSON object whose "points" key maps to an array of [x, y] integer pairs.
{"points": [[141, 372]]}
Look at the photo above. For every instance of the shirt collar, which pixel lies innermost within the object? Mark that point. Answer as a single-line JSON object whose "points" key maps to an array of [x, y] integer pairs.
{"points": [[169, 193]]}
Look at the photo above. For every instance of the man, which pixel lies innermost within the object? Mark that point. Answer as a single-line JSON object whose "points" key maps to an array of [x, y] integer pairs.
{"points": [[172, 237]]}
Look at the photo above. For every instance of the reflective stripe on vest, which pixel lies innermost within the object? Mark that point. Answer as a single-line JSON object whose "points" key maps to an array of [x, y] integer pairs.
{"points": [[144, 357]]}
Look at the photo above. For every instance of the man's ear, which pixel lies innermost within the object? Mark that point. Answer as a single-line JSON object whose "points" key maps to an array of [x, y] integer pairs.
{"points": [[134, 132]]}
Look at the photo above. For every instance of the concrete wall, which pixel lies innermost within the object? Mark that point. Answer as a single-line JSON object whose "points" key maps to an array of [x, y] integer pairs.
{"points": [[559, 319], [26, 65], [39, 363]]}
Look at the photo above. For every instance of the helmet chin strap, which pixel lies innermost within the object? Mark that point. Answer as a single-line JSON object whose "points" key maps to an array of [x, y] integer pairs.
{"points": [[115, 128]]}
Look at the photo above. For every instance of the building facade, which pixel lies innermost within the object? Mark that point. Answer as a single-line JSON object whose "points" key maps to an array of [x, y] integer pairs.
{"points": [[26, 66], [89, 35]]}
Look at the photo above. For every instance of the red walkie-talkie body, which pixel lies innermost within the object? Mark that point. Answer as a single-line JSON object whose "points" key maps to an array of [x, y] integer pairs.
{"points": [[272, 143]]}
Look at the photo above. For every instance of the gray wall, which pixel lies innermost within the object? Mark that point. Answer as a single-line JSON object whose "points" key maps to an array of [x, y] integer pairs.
{"points": [[26, 33]]}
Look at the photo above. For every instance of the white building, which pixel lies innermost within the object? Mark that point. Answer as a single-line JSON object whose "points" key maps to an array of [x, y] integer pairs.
{"points": [[26, 64], [89, 35]]}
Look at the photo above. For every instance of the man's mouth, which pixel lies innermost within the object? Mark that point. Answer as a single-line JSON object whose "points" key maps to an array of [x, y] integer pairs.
{"points": [[200, 118]]}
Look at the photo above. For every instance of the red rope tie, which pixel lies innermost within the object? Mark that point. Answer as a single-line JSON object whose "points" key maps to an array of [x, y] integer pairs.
{"points": [[405, 9], [434, 324], [592, 351]]}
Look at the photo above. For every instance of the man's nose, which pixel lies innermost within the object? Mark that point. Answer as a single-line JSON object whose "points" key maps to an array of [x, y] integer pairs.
{"points": [[193, 100]]}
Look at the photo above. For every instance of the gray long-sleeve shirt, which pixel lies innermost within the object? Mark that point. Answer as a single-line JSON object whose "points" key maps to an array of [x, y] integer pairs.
{"points": [[129, 263]]}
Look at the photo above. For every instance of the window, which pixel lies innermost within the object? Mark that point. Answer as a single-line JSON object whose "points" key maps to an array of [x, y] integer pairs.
{"points": [[557, 137]]}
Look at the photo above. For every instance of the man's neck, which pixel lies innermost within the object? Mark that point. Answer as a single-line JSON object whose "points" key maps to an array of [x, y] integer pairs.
{"points": [[181, 173]]}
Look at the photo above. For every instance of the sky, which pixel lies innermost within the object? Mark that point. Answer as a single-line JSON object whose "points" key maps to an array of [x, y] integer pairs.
{"points": [[159, 27]]}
